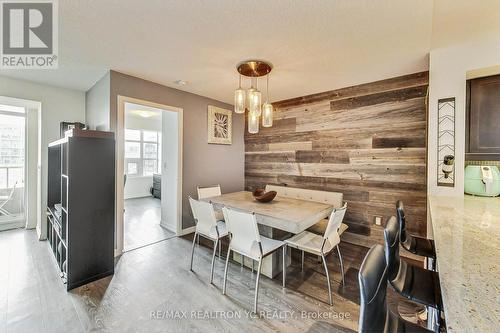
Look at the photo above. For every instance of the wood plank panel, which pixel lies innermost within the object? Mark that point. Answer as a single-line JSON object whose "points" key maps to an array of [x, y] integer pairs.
{"points": [[378, 98], [366, 141], [319, 156], [397, 83], [367, 116], [270, 156]]}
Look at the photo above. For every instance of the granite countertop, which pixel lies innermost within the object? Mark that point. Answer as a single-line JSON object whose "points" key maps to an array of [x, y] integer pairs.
{"points": [[467, 236]]}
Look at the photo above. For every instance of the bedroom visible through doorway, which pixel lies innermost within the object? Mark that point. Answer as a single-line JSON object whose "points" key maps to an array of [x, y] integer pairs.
{"points": [[142, 177]]}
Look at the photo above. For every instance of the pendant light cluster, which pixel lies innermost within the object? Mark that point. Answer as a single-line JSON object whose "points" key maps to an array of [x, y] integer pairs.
{"points": [[251, 99]]}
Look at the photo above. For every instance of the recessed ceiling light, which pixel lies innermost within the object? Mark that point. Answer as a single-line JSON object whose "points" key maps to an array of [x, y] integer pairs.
{"points": [[181, 82]]}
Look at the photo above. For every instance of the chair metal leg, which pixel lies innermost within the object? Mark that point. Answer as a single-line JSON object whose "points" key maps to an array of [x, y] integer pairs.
{"points": [[192, 252], [430, 264], [284, 265], [257, 286], [213, 261], [220, 249], [225, 272], [341, 265], [302, 262], [327, 279], [432, 319]]}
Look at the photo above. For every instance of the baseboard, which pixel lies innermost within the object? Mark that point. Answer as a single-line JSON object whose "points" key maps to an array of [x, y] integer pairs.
{"points": [[187, 231], [11, 225], [169, 227]]}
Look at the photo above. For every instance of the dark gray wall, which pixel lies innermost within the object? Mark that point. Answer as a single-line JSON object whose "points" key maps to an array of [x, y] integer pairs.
{"points": [[203, 163]]}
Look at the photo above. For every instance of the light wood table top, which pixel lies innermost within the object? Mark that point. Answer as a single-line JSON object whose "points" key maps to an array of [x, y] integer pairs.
{"points": [[291, 215]]}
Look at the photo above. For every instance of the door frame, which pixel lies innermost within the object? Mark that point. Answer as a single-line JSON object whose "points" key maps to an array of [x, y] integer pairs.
{"points": [[120, 160]]}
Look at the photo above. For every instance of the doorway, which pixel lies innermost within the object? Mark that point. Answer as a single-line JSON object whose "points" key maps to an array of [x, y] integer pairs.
{"points": [[12, 166], [149, 161], [142, 177]]}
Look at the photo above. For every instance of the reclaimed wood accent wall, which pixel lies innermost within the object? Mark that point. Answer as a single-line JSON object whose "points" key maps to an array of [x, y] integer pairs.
{"points": [[366, 141]]}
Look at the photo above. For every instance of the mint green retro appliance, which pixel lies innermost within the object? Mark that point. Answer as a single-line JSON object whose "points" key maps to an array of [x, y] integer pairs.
{"points": [[482, 180]]}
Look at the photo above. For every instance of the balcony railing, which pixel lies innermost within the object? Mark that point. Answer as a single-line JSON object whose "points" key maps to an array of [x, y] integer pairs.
{"points": [[9, 175]]}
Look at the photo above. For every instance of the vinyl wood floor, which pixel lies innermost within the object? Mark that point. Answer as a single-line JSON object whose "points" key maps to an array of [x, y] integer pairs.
{"points": [[142, 223], [153, 282]]}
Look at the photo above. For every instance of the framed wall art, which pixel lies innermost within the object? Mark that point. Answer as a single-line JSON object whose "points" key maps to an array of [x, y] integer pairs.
{"points": [[446, 142], [220, 126]]}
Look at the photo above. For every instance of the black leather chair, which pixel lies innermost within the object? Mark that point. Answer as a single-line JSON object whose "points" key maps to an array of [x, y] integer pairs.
{"points": [[415, 283], [375, 316], [417, 245]]}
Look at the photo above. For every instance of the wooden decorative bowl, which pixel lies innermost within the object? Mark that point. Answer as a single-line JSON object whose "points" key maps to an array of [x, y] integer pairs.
{"points": [[262, 196]]}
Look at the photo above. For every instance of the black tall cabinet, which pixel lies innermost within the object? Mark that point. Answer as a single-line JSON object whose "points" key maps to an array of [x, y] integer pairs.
{"points": [[81, 205]]}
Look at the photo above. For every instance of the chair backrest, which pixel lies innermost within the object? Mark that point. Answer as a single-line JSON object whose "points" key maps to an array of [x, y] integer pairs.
{"points": [[331, 234], [372, 280], [400, 213], [245, 237], [208, 191], [204, 214], [9, 197], [392, 247], [335, 199]]}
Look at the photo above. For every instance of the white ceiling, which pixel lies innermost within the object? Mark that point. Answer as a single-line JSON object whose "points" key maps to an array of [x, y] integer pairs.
{"points": [[142, 111], [314, 45]]}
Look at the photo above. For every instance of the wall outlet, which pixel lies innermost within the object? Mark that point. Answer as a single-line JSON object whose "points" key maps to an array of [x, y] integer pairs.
{"points": [[378, 220]]}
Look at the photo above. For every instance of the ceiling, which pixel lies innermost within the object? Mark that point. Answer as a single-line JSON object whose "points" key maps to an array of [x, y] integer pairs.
{"points": [[314, 45], [142, 111]]}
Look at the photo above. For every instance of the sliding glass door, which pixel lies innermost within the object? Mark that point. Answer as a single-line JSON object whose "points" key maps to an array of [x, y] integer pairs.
{"points": [[12, 166]]}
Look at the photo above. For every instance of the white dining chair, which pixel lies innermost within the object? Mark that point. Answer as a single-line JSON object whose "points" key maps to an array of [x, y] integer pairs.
{"points": [[208, 192], [206, 226], [319, 245], [246, 240]]}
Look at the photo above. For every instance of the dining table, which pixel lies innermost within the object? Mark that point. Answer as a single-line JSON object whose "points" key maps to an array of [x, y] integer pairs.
{"points": [[278, 219]]}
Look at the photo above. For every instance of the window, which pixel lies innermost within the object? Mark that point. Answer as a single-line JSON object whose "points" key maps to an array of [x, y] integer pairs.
{"points": [[132, 168], [11, 147], [150, 151], [3, 178], [133, 135], [132, 149], [150, 136], [142, 152], [150, 167]]}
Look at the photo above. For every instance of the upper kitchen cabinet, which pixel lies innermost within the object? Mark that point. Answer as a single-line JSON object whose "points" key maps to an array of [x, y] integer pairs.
{"points": [[483, 119]]}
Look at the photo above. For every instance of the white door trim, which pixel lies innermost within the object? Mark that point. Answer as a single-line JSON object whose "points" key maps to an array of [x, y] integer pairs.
{"points": [[120, 149]]}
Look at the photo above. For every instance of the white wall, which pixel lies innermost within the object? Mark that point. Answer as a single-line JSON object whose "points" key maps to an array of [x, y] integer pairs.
{"points": [[170, 208], [97, 104], [57, 104], [138, 187], [465, 37]]}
